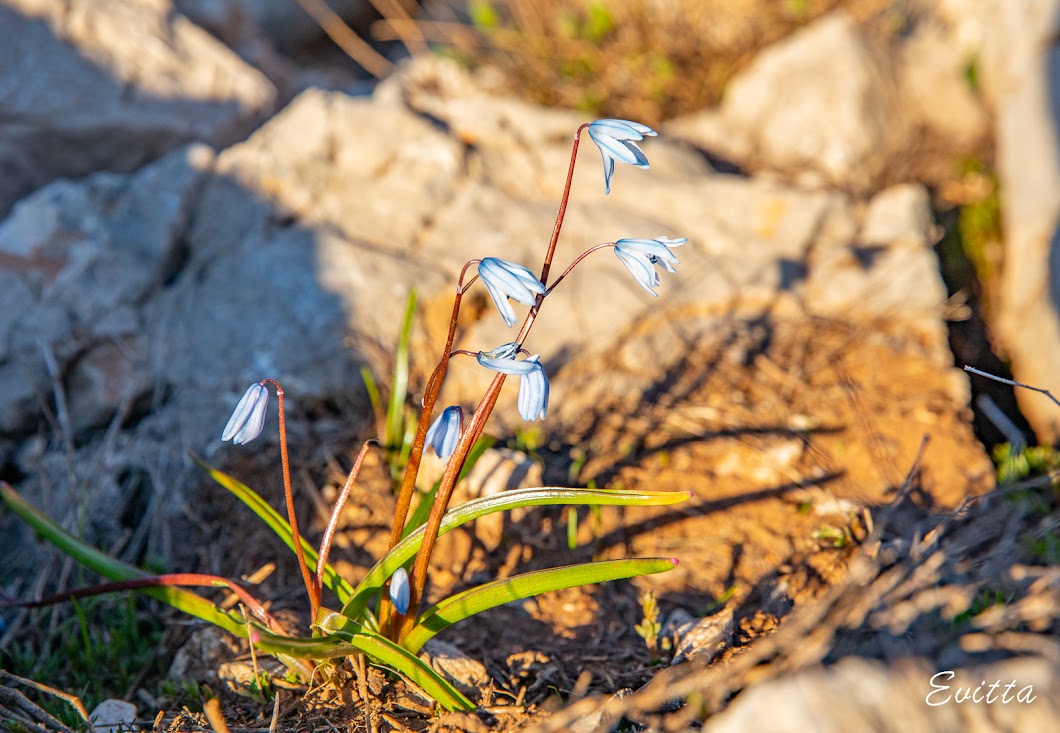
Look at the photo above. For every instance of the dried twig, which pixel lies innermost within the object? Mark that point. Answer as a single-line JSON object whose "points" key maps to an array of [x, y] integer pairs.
{"points": [[1012, 383], [72, 700], [355, 47], [212, 708]]}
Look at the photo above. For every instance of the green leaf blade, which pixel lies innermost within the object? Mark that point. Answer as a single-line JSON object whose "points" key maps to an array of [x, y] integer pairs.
{"points": [[346, 637], [331, 579], [540, 496], [498, 592]]}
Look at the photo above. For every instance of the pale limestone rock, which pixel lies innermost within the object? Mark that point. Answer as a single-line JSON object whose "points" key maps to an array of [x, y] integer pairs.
{"points": [[112, 84], [1021, 69], [861, 695]]}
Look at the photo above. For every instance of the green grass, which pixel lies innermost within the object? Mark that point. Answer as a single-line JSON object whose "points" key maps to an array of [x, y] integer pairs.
{"points": [[99, 648]]}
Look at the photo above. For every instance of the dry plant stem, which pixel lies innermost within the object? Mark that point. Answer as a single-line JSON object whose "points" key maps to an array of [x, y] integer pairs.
{"points": [[73, 700], [314, 596], [1012, 383], [329, 533], [216, 718], [441, 500], [199, 580], [412, 37], [412, 468], [333, 24], [478, 421], [430, 397]]}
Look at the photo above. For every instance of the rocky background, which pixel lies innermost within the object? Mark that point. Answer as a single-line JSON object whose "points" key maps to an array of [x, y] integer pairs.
{"points": [[192, 198]]}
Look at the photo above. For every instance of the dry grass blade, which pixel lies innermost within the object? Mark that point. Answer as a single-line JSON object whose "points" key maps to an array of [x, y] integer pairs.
{"points": [[18, 709], [212, 708], [72, 700], [344, 37]]}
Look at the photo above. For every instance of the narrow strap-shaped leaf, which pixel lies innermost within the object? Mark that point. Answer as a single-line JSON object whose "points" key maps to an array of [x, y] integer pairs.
{"points": [[291, 651], [346, 637], [279, 525], [476, 508], [109, 567], [498, 592], [419, 515], [395, 411]]}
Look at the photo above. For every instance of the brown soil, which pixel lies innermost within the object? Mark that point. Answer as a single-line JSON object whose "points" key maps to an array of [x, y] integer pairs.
{"points": [[791, 469]]}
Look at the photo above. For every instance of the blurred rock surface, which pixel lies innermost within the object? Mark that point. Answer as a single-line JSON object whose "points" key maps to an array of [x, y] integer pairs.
{"points": [[92, 85], [861, 695], [166, 291], [827, 106], [1021, 74]]}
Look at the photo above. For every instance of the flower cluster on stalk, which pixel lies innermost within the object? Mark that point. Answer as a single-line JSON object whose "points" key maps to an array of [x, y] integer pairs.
{"points": [[505, 281]]}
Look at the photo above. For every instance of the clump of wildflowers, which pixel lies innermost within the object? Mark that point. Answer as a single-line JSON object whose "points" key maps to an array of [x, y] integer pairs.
{"points": [[397, 628]]}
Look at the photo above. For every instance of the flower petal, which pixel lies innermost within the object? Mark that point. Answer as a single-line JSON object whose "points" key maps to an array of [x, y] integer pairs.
{"points": [[616, 141], [399, 590], [249, 416], [533, 392], [501, 301], [444, 434], [640, 268], [504, 366]]}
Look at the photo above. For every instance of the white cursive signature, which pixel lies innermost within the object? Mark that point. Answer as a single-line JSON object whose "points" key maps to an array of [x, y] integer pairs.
{"points": [[942, 694]]}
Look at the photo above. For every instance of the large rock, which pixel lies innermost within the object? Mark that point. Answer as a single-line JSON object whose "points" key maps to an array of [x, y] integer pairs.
{"points": [[289, 255], [111, 84], [829, 107], [863, 695], [816, 105], [77, 263], [1021, 74]]}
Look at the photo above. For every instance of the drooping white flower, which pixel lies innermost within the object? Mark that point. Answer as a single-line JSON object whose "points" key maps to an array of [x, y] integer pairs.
{"points": [[399, 590], [502, 359], [616, 141], [444, 433], [533, 391], [503, 280], [249, 416], [640, 256]]}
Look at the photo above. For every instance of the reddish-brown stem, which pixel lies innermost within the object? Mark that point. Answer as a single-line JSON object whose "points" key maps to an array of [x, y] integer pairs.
{"points": [[314, 597], [412, 468], [430, 396], [474, 428], [441, 500], [329, 533], [159, 581], [579, 258], [562, 205]]}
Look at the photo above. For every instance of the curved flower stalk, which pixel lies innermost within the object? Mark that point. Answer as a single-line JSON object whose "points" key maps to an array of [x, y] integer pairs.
{"points": [[641, 255], [615, 139], [504, 280]]}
